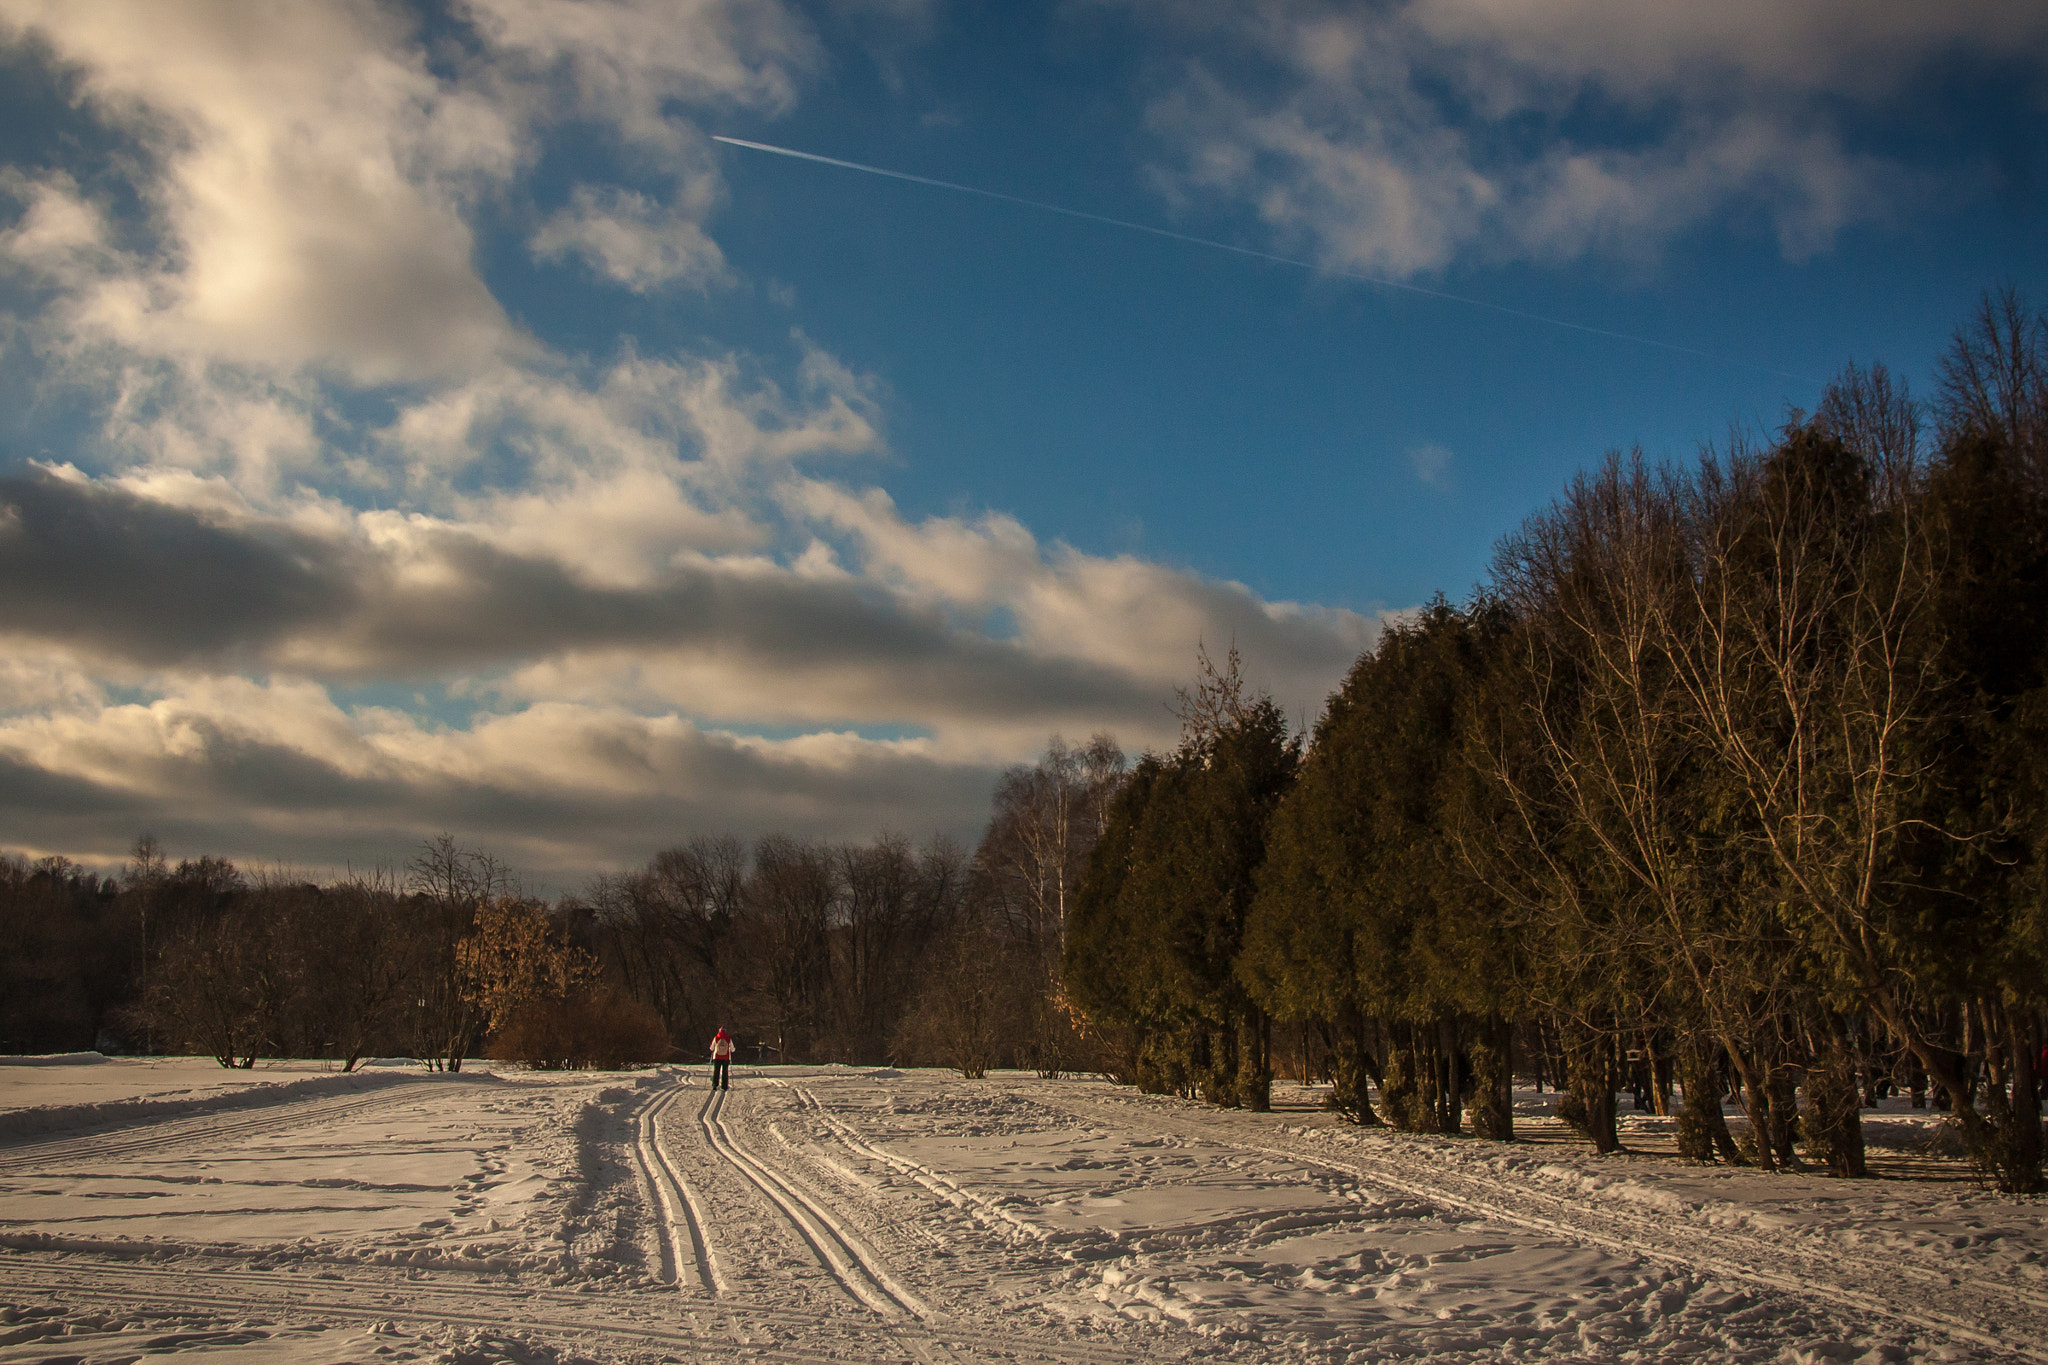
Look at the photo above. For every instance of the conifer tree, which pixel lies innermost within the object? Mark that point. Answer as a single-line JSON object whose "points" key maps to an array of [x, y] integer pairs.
{"points": [[1159, 924]]}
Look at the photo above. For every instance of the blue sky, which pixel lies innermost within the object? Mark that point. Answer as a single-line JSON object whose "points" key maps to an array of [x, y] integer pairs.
{"points": [[414, 421]]}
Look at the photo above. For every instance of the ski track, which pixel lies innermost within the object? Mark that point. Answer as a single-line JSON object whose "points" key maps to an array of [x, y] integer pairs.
{"points": [[983, 1209], [859, 1271], [688, 1259], [721, 1283], [1972, 1313]]}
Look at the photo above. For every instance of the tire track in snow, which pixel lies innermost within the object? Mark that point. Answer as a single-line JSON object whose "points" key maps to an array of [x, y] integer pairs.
{"points": [[688, 1260], [1813, 1274], [858, 1270]]}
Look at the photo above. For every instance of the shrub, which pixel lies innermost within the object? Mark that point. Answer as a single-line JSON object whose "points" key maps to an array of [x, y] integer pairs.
{"points": [[606, 1032]]}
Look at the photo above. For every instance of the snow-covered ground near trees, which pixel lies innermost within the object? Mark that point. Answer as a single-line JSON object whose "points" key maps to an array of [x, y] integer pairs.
{"points": [[169, 1208]]}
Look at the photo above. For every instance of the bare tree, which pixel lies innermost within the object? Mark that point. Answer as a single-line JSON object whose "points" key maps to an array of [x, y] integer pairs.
{"points": [[1046, 821], [1814, 663], [363, 965], [449, 885], [1994, 377], [790, 904], [965, 1015], [896, 904], [219, 974], [1875, 418], [1594, 868], [670, 928]]}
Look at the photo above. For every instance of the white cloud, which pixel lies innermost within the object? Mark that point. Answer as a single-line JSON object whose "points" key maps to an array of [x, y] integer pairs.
{"points": [[626, 62], [1398, 139], [940, 560], [1431, 463], [59, 238], [307, 201], [965, 630], [310, 202], [631, 240], [1128, 616], [35, 677], [1860, 48]]}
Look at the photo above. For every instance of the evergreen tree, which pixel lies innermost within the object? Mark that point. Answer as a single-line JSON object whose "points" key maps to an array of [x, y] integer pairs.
{"points": [[1158, 927]]}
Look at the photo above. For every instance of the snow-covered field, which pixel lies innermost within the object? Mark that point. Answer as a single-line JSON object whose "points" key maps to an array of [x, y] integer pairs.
{"points": [[156, 1208]]}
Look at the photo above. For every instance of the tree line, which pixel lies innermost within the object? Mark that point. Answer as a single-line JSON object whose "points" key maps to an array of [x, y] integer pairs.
{"points": [[807, 951], [1729, 779]]}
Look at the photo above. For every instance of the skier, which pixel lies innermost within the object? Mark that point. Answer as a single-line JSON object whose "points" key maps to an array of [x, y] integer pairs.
{"points": [[721, 1060]]}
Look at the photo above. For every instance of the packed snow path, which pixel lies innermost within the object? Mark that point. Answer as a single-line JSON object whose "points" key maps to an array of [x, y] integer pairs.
{"points": [[827, 1213]]}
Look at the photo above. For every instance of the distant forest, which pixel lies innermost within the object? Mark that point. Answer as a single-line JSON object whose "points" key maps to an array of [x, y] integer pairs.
{"points": [[1731, 779], [806, 951]]}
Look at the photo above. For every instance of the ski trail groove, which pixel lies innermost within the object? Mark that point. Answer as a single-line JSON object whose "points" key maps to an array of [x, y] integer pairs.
{"points": [[1716, 1251], [1730, 1256], [858, 1270], [1843, 1295], [688, 1259], [984, 1210]]}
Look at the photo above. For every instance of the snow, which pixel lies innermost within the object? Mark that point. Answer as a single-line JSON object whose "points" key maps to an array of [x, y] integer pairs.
{"points": [[167, 1207], [85, 1090]]}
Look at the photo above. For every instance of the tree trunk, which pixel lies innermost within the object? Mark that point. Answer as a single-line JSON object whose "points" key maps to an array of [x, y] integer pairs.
{"points": [[1493, 1100], [1451, 1079], [1589, 1104], [1833, 1120], [1255, 1067], [1703, 1134]]}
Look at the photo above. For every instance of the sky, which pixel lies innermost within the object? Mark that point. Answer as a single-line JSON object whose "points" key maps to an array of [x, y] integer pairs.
{"points": [[413, 419]]}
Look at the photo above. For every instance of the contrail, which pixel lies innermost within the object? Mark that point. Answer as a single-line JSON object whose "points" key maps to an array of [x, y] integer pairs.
{"points": [[1296, 263]]}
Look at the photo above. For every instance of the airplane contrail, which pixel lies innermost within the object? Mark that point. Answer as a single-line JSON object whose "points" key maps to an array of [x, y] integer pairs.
{"points": [[1296, 263]]}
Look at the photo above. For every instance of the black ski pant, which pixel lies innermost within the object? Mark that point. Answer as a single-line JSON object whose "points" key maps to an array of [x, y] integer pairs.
{"points": [[719, 1079]]}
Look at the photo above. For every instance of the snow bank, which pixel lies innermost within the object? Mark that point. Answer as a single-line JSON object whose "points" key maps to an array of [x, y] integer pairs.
{"points": [[35, 1121], [55, 1059]]}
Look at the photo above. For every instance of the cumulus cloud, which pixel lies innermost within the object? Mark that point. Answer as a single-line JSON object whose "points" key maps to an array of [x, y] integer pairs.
{"points": [[627, 63], [276, 769], [329, 470], [630, 239], [307, 199], [1863, 48], [313, 175], [59, 238], [1398, 139], [627, 471], [127, 579], [1141, 619], [590, 698], [125, 576]]}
